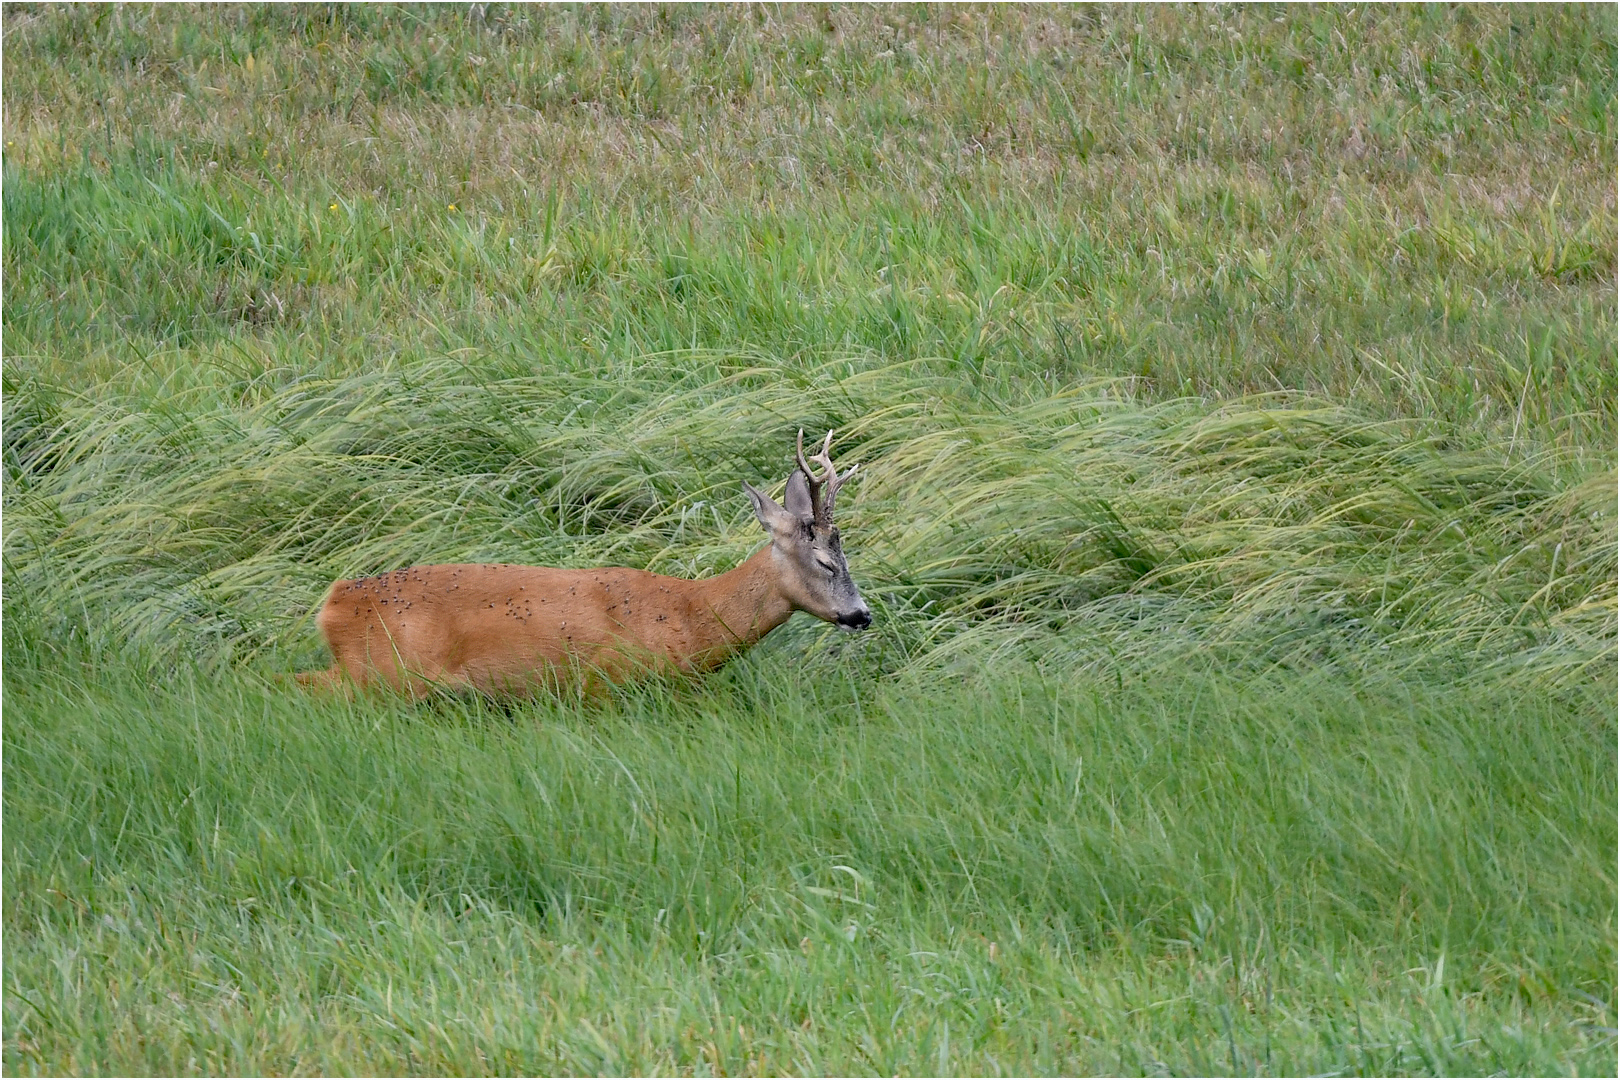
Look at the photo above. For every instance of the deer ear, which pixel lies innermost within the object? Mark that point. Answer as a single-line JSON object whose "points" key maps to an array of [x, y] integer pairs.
{"points": [[773, 517], [799, 503]]}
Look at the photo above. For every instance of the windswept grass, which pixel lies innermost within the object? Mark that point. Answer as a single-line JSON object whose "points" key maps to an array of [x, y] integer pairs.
{"points": [[1235, 396], [1045, 520]]}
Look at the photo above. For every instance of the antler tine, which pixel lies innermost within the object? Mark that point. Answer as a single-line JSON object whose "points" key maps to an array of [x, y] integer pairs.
{"points": [[810, 478], [825, 456], [832, 481]]}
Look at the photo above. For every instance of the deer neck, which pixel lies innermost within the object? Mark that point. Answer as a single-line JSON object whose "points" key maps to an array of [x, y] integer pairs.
{"points": [[745, 604]]}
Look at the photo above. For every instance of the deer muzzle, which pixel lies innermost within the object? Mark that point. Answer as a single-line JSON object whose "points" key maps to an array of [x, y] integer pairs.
{"points": [[859, 619]]}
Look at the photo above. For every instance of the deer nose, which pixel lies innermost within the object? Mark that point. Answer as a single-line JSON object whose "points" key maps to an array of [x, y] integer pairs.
{"points": [[856, 620]]}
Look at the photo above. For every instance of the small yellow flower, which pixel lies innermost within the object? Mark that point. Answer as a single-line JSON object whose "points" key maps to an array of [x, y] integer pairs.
{"points": [[452, 206], [332, 207]]}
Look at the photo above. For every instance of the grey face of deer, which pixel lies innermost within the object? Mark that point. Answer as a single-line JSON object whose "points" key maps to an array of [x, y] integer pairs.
{"points": [[808, 554]]}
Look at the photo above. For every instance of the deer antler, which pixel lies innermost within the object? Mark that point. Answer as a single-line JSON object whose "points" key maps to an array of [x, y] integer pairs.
{"points": [[824, 489]]}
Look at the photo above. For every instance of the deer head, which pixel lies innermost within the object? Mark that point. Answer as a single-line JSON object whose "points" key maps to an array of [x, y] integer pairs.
{"points": [[805, 549]]}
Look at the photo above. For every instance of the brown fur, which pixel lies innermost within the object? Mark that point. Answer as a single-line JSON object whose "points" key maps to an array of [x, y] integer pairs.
{"points": [[505, 628], [513, 629]]}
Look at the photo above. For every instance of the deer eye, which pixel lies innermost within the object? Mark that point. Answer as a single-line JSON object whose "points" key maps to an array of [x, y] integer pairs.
{"points": [[832, 571]]}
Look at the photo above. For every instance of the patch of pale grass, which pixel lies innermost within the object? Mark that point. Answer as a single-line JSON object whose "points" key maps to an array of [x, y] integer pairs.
{"points": [[1024, 516]]}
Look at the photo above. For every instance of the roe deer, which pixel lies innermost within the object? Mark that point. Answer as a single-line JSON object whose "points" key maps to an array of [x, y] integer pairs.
{"points": [[512, 629]]}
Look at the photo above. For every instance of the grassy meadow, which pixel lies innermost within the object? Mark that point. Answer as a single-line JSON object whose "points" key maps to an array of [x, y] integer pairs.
{"points": [[1235, 394]]}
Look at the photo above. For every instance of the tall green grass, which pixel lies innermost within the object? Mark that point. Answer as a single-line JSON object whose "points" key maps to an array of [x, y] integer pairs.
{"points": [[1235, 396], [780, 871]]}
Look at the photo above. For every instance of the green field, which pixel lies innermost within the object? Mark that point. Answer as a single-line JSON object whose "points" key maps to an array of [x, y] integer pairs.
{"points": [[1235, 393]]}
